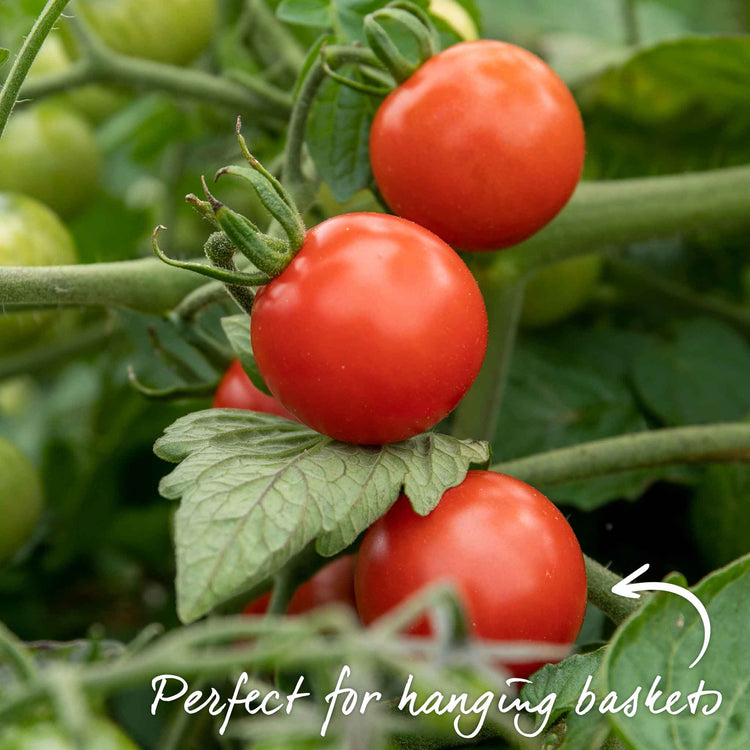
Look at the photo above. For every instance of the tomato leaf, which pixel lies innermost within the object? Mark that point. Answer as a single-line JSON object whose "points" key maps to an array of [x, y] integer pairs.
{"points": [[4, 54], [315, 13], [237, 329], [566, 679], [675, 106], [338, 137], [720, 513], [255, 489], [663, 639], [699, 377]]}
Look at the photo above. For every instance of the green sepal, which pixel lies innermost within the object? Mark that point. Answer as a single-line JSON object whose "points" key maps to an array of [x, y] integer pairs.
{"points": [[275, 203], [246, 238]]}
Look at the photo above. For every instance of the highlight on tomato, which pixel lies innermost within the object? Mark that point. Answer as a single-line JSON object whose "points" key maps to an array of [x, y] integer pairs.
{"points": [[513, 558]]}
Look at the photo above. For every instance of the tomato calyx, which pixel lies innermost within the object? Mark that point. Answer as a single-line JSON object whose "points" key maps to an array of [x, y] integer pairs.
{"points": [[414, 20], [268, 255]]}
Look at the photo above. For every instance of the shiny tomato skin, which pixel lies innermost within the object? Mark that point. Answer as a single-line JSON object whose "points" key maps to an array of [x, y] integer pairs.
{"points": [[373, 333], [512, 556], [483, 145], [236, 391], [332, 583]]}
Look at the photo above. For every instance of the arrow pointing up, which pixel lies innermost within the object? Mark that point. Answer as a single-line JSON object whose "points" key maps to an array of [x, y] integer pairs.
{"points": [[627, 588]]}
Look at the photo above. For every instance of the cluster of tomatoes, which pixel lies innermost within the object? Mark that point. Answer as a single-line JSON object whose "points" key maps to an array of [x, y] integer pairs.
{"points": [[376, 330]]}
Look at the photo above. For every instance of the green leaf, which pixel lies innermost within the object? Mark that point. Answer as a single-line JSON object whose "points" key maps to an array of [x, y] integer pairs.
{"points": [[344, 17], [559, 395], [676, 106], [4, 54], [315, 13], [338, 138], [699, 377], [663, 639], [237, 329], [256, 489], [566, 679], [720, 513]]}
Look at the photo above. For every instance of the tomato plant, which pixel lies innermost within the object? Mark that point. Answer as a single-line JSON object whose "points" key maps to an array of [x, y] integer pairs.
{"points": [[509, 138], [50, 153], [21, 499], [334, 583], [275, 199], [173, 31], [32, 235], [369, 296], [236, 391], [511, 554]]}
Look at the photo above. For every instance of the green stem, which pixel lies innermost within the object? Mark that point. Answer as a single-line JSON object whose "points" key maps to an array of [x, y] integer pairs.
{"points": [[600, 215], [199, 299], [478, 413], [641, 450], [294, 176], [269, 34], [612, 214], [646, 287], [100, 64], [600, 581], [146, 285], [39, 32]]}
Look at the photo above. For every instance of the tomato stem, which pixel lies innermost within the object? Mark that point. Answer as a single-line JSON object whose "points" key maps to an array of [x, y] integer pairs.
{"points": [[100, 64], [302, 187], [416, 22], [600, 581], [477, 415], [642, 450], [21, 65]]}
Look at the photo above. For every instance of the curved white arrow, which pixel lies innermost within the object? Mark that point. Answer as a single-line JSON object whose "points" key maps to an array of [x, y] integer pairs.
{"points": [[628, 589]]}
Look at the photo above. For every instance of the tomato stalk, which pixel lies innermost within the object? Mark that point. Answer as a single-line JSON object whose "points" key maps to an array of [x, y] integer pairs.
{"points": [[642, 450], [20, 68], [100, 64], [414, 20], [302, 187], [600, 215], [477, 415]]}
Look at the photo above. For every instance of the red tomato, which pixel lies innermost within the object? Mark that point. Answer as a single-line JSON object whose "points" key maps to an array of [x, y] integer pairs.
{"points": [[332, 583], [373, 333], [512, 556], [236, 391], [483, 145]]}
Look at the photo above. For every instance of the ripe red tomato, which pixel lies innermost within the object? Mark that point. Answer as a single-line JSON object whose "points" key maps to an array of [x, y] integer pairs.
{"points": [[332, 583], [511, 554], [236, 391], [373, 333], [483, 145]]}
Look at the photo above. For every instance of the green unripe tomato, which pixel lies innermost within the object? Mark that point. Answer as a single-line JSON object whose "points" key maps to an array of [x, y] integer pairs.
{"points": [[172, 31], [47, 735], [559, 290], [457, 17], [50, 153], [30, 235], [94, 102], [21, 500]]}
